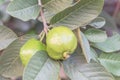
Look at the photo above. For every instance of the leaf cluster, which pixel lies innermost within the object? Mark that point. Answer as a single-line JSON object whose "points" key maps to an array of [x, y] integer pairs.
{"points": [[95, 46]]}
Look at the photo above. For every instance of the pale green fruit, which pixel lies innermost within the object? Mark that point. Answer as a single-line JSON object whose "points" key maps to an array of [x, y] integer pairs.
{"points": [[29, 49], [61, 42]]}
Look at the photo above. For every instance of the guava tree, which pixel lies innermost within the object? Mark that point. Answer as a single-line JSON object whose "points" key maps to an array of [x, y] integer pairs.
{"points": [[96, 56]]}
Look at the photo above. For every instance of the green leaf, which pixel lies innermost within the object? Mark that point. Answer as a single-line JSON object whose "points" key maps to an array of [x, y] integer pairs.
{"points": [[98, 22], [10, 63], [7, 36], [41, 67], [55, 6], [94, 55], [45, 1], [85, 47], [112, 44], [95, 35], [24, 9], [76, 68], [78, 15], [111, 62]]}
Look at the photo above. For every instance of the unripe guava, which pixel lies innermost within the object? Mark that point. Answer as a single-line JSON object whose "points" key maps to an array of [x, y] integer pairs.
{"points": [[29, 49], [61, 42]]}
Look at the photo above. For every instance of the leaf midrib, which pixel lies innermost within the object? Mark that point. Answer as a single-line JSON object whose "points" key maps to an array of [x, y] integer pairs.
{"points": [[76, 10], [22, 8], [41, 67], [109, 60], [14, 60]]}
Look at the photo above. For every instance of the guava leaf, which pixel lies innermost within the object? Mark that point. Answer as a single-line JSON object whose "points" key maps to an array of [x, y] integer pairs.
{"points": [[85, 46], [94, 55], [7, 36], [24, 9], [78, 15], [10, 63], [98, 22], [95, 35], [76, 68], [29, 9], [55, 6], [41, 67], [112, 44], [111, 62]]}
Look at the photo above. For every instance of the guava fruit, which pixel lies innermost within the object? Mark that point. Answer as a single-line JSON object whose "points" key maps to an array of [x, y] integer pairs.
{"points": [[61, 42], [29, 49]]}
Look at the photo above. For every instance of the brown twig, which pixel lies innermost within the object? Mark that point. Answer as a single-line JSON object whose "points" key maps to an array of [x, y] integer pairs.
{"points": [[43, 17]]}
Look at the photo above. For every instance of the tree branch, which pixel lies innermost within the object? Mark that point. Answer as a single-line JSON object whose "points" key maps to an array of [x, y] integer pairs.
{"points": [[43, 17]]}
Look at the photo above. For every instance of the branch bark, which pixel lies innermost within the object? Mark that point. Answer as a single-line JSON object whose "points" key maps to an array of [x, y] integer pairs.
{"points": [[43, 17]]}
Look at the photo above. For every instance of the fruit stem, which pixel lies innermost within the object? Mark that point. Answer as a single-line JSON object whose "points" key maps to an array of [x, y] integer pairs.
{"points": [[66, 55], [43, 17], [42, 36]]}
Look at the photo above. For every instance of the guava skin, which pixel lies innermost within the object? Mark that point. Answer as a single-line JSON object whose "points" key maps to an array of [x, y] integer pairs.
{"points": [[60, 40], [29, 49]]}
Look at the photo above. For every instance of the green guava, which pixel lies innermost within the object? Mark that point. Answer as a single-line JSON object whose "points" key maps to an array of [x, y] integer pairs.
{"points": [[29, 49], [61, 42]]}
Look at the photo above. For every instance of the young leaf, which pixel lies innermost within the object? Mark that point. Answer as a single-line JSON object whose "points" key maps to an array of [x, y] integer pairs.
{"points": [[111, 62], [41, 67], [95, 35], [112, 44], [98, 22], [78, 15], [77, 69], [10, 63], [7, 36]]}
